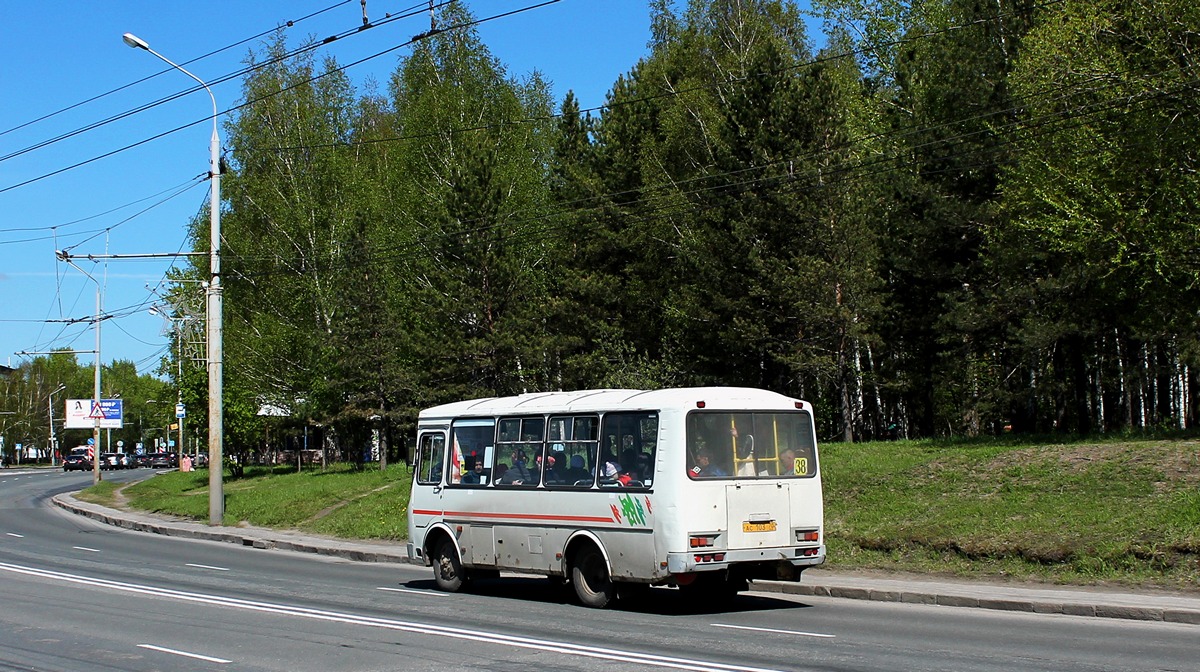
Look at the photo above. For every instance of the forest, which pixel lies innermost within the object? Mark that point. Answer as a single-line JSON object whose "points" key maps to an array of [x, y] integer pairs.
{"points": [[952, 218]]}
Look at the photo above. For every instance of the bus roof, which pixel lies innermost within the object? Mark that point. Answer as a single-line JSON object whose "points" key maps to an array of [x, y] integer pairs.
{"points": [[581, 401]]}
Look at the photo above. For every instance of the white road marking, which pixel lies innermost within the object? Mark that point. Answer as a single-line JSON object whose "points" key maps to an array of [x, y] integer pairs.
{"points": [[14, 534], [428, 593], [781, 632], [184, 654], [488, 637], [219, 569], [85, 548]]}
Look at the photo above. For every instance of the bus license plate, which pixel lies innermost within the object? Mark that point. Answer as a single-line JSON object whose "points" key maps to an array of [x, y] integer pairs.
{"points": [[759, 527]]}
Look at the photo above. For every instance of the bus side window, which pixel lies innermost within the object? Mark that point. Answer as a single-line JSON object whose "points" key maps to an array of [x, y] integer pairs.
{"points": [[473, 452], [572, 444], [635, 436], [518, 452], [431, 456]]}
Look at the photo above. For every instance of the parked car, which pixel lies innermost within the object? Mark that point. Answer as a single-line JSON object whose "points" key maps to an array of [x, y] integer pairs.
{"points": [[141, 460], [201, 460], [161, 461], [77, 462]]}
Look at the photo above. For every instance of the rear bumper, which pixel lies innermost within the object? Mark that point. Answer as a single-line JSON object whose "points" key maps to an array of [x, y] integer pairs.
{"points": [[799, 557]]}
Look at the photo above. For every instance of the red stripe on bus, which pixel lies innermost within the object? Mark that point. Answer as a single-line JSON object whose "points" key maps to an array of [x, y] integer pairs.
{"points": [[514, 516]]}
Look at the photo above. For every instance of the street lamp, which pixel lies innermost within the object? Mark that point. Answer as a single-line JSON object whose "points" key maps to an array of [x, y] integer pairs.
{"points": [[216, 495]]}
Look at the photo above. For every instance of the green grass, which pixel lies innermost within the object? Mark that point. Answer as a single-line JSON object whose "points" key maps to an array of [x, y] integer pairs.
{"points": [[1115, 511], [103, 493], [337, 501], [1124, 512]]}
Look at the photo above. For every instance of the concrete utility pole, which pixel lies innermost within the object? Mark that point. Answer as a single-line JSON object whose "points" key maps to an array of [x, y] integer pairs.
{"points": [[216, 494]]}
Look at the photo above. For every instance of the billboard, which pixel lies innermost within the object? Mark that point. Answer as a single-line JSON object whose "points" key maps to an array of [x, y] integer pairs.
{"points": [[83, 413]]}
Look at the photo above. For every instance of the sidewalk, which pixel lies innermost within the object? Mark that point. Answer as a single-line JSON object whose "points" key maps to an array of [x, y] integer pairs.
{"points": [[1073, 601]]}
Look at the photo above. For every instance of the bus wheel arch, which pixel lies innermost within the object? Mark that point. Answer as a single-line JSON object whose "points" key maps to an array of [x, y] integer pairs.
{"points": [[443, 554], [588, 568]]}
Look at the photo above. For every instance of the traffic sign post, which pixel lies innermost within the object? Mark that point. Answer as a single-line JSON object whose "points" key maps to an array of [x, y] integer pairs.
{"points": [[180, 414]]}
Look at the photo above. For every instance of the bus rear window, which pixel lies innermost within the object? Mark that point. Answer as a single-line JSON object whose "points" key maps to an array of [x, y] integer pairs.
{"points": [[750, 445]]}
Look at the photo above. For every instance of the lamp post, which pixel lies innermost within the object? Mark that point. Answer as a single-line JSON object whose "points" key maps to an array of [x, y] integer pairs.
{"points": [[216, 495], [53, 440]]}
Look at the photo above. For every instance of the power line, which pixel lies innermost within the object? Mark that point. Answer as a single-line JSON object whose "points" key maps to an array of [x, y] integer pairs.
{"points": [[675, 93], [55, 234], [206, 119], [81, 103], [53, 227]]}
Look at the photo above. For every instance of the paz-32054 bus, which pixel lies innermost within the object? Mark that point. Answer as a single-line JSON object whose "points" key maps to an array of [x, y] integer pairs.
{"points": [[614, 490]]}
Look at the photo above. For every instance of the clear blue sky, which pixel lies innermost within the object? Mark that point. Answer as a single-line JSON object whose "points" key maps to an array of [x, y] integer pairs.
{"points": [[58, 53]]}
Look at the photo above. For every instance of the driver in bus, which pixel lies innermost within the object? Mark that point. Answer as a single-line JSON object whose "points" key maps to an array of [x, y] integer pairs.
{"points": [[475, 475]]}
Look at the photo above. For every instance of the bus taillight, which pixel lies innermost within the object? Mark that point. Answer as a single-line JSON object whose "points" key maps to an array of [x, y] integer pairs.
{"points": [[700, 542], [807, 535]]}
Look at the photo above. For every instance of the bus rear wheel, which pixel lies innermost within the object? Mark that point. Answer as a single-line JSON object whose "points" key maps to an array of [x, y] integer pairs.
{"points": [[589, 575], [447, 570]]}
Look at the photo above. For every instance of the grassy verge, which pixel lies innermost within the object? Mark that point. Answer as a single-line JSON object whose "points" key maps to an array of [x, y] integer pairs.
{"points": [[1125, 512], [103, 493], [1121, 512], [338, 501]]}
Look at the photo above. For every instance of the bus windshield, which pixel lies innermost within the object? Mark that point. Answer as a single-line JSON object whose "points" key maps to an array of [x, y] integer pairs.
{"points": [[750, 445]]}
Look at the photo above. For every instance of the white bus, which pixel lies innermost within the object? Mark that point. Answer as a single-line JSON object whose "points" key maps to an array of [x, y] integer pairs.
{"points": [[615, 490]]}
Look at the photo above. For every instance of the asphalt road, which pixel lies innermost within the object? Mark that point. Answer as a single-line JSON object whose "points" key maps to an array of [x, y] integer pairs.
{"points": [[78, 595]]}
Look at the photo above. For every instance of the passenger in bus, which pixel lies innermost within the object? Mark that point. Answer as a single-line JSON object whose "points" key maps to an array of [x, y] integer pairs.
{"points": [[629, 464], [560, 461], [611, 472], [578, 471], [518, 473], [552, 473], [646, 464], [536, 470], [705, 467], [787, 463]]}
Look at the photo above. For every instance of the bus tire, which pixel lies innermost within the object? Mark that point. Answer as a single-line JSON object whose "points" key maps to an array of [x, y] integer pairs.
{"points": [[589, 575], [447, 570]]}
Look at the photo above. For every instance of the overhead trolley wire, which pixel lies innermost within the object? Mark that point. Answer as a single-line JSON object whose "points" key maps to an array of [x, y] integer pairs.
{"points": [[81, 103], [315, 45]]}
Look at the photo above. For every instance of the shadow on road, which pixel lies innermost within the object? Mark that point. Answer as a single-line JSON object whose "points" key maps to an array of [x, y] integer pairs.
{"points": [[656, 601]]}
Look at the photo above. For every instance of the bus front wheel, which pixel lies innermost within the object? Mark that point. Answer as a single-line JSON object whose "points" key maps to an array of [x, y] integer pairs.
{"points": [[447, 570], [589, 575]]}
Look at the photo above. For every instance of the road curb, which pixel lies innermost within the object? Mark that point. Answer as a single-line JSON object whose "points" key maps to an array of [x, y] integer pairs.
{"points": [[1036, 606]]}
